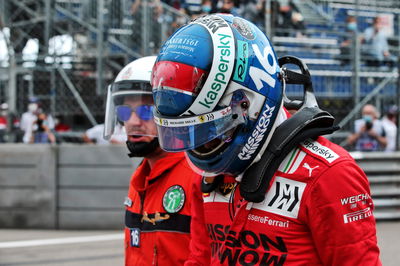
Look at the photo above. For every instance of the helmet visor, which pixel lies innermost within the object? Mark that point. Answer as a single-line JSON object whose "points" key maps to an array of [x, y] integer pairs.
{"points": [[191, 132]]}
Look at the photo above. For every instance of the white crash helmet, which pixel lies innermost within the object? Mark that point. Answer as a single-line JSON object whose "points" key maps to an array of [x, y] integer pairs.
{"points": [[132, 80]]}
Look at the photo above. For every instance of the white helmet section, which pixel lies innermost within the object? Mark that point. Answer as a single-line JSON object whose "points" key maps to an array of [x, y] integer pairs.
{"points": [[132, 82], [139, 70]]}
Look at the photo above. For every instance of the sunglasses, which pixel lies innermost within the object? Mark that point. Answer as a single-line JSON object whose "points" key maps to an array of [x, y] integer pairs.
{"points": [[144, 112]]}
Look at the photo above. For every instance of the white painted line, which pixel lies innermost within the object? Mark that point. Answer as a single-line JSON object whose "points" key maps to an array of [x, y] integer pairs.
{"points": [[59, 241]]}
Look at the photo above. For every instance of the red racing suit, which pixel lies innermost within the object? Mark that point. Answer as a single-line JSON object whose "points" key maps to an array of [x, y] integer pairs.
{"points": [[158, 207], [317, 211]]}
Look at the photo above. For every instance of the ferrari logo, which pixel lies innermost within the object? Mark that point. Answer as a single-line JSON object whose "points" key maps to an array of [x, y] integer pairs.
{"points": [[201, 118]]}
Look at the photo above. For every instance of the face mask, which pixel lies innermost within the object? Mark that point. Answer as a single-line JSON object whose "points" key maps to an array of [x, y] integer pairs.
{"points": [[33, 107], [352, 26], [206, 9], [367, 118]]}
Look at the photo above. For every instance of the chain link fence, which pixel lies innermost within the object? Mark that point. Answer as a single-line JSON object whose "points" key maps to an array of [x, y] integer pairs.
{"points": [[65, 52]]}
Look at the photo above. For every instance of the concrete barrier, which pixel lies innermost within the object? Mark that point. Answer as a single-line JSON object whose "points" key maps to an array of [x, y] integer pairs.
{"points": [[84, 186], [63, 187]]}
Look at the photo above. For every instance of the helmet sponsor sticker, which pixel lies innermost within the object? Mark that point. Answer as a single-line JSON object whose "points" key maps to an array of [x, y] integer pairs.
{"points": [[194, 120], [242, 60], [283, 198], [222, 64], [174, 199], [320, 150], [127, 73], [253, 142], [244, 28]]}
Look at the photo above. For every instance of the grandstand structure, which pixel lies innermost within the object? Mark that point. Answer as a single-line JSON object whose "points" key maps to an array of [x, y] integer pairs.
{"points": [[81, 45], [66, 52]]}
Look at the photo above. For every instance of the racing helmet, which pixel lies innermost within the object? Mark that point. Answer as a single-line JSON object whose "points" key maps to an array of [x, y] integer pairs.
{"points": [[132, 82], [217, 93]]}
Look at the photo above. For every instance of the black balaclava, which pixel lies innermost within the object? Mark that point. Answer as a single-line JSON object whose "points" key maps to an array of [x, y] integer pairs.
{"points": [[142, 149]]}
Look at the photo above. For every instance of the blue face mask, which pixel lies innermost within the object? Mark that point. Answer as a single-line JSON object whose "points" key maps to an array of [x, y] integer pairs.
{"points": [[206, 9], [352, 26], [368, 118]]}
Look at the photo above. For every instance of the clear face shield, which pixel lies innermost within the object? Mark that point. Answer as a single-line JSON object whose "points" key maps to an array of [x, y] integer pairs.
{"points": [[129, 110]]}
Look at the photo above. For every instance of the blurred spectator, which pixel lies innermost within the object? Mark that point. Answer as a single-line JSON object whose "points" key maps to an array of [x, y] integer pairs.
{"points": [[376, 46], [30, 116], [389, 123], [192, 8], [228, 6], [206, 7], [347, 44], [3, 121], [41, 130], [253, 11], [290, 18], [94, 135], [174, 3], [369, 134], [60, 126], [155, 5]]}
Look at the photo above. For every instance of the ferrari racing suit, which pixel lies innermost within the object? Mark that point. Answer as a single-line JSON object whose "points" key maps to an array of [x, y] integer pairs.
{"points": [[317, 211]]}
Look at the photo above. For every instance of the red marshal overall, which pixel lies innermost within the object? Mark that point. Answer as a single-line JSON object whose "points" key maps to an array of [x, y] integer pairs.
{"points": [[317, 211], [158, 207]]}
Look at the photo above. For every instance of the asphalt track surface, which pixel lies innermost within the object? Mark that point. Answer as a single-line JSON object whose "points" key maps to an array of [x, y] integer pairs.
{"points": [[101, 248]]}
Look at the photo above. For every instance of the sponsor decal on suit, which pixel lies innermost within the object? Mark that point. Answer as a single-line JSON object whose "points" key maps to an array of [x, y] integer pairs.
{"points": [[283, 198]]}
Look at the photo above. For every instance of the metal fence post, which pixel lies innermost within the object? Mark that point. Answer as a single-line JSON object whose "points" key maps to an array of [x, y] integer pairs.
{"points": [[268, 23], [145, 28], [356, 62], [100, 46], [398, 83]]}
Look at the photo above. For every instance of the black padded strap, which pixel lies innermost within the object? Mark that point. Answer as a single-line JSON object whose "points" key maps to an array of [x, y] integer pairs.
{"points": [[309, 122]]}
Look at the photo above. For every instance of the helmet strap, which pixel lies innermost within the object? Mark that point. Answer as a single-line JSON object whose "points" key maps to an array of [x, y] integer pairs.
{"points": [[142, 149]]}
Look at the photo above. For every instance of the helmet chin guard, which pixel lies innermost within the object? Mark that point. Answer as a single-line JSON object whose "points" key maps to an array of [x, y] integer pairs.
{"points": [[308, 122]]}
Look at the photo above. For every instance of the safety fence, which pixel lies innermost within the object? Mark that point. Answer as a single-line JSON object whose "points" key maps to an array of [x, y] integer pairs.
{"points": [[81, 45]]}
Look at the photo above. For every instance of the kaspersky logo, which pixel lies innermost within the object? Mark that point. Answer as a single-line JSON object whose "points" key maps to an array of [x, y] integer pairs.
{"points": [[224, 50], [258, 134], [222, 64]]}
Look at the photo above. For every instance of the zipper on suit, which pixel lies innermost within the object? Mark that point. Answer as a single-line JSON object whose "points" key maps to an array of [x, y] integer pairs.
{"points": [[155, 256]]}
